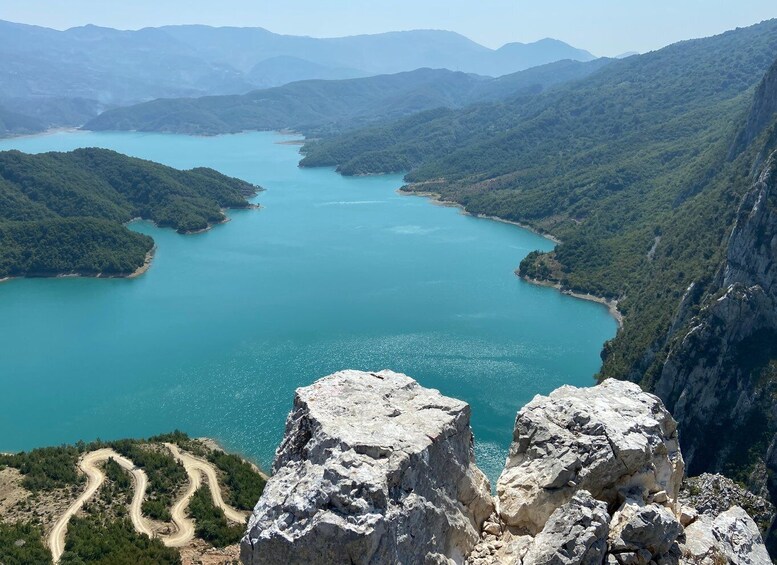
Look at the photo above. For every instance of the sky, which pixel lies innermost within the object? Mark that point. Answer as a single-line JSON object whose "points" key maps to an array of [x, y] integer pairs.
{"points": [[604, 27]]}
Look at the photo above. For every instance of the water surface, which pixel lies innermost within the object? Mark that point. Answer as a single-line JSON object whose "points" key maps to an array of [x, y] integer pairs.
{"points": [[331, 273]]}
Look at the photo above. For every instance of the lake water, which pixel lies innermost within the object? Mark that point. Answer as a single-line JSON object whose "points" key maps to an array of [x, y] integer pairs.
{"points": [[331, 273]]}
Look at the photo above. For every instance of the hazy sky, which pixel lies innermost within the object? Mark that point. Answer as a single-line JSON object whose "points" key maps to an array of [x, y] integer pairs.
{"points": [[604, 27]]}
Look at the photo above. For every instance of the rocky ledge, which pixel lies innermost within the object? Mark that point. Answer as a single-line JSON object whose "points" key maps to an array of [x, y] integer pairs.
{"points": [[375, 469]]}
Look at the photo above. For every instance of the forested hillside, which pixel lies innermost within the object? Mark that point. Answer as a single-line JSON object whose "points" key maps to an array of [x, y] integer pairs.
{"points": [[62, 213], [319, 107], [629, 168]]}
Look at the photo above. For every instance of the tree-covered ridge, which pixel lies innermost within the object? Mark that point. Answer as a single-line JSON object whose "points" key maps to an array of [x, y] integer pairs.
{"points": [[629, 168], [324, 107], [62, 213]]}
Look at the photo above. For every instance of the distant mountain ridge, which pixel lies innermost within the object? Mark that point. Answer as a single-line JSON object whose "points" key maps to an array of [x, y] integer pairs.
{"points": [[104, 67], [324, 107]]}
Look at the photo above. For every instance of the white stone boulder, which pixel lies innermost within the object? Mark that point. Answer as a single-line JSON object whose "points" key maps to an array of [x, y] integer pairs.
{"points": [[612, 440], [373, 469]]}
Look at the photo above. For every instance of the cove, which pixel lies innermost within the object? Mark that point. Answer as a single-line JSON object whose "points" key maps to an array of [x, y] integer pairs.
{"points": [[331, 273]]}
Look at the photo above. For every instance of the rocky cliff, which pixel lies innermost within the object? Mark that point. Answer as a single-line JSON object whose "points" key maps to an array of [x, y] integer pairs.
{"points": [[719, 378], [374, 469]]}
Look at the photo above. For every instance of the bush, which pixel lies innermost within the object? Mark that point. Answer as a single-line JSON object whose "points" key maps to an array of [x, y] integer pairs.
{"points": [[210, 522]]}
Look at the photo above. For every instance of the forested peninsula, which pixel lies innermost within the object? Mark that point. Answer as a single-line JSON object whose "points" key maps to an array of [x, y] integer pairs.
{"points": [[64, 213]]}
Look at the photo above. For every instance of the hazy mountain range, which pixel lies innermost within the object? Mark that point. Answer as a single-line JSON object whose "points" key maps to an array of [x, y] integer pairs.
{"points": [[324, 107], [51, 78]]}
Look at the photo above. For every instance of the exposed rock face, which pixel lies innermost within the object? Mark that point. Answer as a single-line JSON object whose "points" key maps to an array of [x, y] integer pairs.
{"points": [[711, 380], [732, 537], [644, 532], [576, 533], [613, 441], [373, 469], [376, 470], [762, 112], [711, 495]]}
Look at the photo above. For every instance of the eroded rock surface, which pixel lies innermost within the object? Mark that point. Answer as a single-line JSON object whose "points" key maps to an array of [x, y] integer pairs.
{"points": [[612, 440], [730, 538], [376, 470], [373, 469]]}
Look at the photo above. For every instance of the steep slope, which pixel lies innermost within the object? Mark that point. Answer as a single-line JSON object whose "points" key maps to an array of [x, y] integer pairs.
{"points": [[62, 213], [719, 376], [326, 107]]}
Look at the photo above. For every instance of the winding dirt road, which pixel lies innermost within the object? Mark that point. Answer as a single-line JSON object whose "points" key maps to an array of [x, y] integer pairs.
{"points": [[184, 526], [95, 479], [197, 467]]}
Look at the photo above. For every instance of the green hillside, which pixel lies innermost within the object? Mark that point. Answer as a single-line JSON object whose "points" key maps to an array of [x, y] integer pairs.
{"points": [[62, 213], [629, 168]]}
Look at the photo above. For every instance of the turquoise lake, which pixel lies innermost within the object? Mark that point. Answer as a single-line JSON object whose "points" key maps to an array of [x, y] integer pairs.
{"points": [[332, 273]]}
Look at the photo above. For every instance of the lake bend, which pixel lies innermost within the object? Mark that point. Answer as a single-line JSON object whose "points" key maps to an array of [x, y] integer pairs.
{"points": [[331, 273]]}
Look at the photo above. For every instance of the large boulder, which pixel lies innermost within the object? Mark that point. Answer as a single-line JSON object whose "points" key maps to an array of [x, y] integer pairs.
{"points": [[731, 538], [643, 533], [613, 440], [373, 469], [575, 534]]}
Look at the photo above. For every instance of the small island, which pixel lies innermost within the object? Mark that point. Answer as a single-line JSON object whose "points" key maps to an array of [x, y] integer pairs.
{"points": [[65, 213]]}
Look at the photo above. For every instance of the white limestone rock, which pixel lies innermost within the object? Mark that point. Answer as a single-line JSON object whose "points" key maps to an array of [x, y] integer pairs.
{"points": [[732, 538], [613, 440], [373, 469], [575, 534], [646, 532]]}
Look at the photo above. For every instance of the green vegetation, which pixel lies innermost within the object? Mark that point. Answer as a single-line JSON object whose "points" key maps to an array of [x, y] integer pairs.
{"points": [[319, 107], [99, 541], [22, 544], [210, 523], [166, 476], [633, 168], [62, 213], [46, 468], [244, 484], [183, 441]]}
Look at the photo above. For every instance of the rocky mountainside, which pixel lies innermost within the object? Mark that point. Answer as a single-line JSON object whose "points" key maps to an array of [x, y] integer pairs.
{"points": [[718, 376], [375, 469]]}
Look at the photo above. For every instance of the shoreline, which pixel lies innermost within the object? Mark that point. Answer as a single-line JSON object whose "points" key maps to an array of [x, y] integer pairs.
{"points": [[438, 200], [50, 131], [136, 273], [612, 305], [215, 444], [145, 266]]}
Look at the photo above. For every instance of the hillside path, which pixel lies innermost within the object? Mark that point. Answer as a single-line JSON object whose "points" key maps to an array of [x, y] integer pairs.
{"points": [[95, 478]]}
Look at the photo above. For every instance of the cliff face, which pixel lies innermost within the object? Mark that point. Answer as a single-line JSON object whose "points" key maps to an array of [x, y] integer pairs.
{"points": [[374, 470], [718, 379], [763, 111]]}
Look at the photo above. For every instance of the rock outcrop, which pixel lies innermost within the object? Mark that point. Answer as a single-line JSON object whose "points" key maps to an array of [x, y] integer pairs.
{"points": [[711, 495], [716, 379], [595, 475], [373, 469], [376, 470], [613, 441], [731, 537]]}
